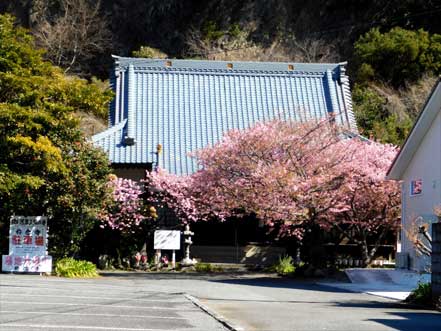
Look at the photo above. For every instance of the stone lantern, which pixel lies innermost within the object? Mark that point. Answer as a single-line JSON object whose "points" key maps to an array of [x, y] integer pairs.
{"points": [[187, 261]]}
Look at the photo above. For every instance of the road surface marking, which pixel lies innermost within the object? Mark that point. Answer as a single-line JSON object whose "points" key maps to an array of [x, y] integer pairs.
{"points": [[86, 314], [96, 305]]}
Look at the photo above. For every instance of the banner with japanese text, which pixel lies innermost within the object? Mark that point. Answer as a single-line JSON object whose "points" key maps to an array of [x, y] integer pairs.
{"points": [[27, 245], [26, 263]]}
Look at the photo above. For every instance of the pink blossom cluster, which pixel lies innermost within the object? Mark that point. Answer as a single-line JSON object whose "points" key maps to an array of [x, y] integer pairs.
{"points": [[125, 210], [173, 192], [366, 200]]}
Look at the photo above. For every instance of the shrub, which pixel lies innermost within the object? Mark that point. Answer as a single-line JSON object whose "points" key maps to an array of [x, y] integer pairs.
{"points": [[422, 295], [212, 31], [234, 31], [149, 53], [71, 268], [380, 113], [398, 55], [284, 266]]}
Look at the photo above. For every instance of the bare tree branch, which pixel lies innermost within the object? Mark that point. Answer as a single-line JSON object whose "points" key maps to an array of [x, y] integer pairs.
{"points": [[75, 35]]}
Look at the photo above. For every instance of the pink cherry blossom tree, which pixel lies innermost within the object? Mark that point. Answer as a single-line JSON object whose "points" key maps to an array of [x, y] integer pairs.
{"points": [[277, 170], [124, 211], [291, 175], [370, 205]]}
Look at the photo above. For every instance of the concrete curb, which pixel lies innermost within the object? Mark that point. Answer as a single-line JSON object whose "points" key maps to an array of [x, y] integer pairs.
{"points": [[219, 318]]}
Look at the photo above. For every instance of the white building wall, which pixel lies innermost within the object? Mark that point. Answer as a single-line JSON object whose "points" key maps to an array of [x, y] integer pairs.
{"points": [[425, 165]]}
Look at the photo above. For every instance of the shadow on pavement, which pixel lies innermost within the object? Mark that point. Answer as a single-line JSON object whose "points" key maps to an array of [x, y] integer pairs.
{"points": [[238, 278], [412, 321], [299, 284], [171, 275], [372, 304], [404, 318]]}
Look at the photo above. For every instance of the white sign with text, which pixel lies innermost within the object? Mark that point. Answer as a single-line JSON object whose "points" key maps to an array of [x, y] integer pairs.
{"points": [[27, 245], [167, 239]]}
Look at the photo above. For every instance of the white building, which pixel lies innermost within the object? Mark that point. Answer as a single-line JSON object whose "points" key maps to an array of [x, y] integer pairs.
{"points": [[418, 167]]}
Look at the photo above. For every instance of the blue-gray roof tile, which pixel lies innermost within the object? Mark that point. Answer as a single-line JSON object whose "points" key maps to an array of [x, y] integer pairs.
{"points": [[185, 105]]}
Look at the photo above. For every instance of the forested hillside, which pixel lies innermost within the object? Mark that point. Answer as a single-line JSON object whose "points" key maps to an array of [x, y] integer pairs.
{"points": [[392, 47]]}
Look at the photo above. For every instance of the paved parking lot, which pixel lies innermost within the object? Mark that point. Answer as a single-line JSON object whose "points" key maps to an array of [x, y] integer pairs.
{"points": [[41, 303], [149, 301]]}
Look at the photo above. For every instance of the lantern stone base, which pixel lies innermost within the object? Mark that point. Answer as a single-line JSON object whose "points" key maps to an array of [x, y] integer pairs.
{"points": [[187, 262]]}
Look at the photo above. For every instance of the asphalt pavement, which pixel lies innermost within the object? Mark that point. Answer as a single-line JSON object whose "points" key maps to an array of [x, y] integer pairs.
{"points": [[141, 301], [50, 303]]}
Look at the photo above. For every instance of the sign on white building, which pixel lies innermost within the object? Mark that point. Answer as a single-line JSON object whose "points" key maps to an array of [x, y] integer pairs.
{"points": [[27, 245]]}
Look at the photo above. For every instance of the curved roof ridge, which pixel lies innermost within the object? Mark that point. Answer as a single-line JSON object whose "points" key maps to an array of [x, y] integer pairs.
{"points": [[347, 97]]}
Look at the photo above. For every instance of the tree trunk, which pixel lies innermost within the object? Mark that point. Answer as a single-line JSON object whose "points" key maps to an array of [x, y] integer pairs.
{"points": [[369, 255]]}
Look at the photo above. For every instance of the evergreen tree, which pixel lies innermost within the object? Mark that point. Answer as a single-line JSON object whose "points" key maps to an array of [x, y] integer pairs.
{"points": [[47, 167]]}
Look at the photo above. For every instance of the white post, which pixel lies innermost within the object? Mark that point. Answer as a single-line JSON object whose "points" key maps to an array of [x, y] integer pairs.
{"points": [[158, 258], [173, 259]]}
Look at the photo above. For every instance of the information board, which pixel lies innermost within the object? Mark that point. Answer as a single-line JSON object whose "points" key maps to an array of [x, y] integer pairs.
{"points": [[167, 239]]}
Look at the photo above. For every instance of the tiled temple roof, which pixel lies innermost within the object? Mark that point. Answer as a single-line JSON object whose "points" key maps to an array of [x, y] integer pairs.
{"points": [[185, 105]]}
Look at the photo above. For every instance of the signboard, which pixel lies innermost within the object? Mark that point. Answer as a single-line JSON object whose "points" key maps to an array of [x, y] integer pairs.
{"points": [[167, 239], [416, 187], [26, 263], [27, 245], [28, 235]]}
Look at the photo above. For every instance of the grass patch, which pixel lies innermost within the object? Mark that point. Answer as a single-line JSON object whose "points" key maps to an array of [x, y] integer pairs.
{"points": [[71, 268], [207, 267]]}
